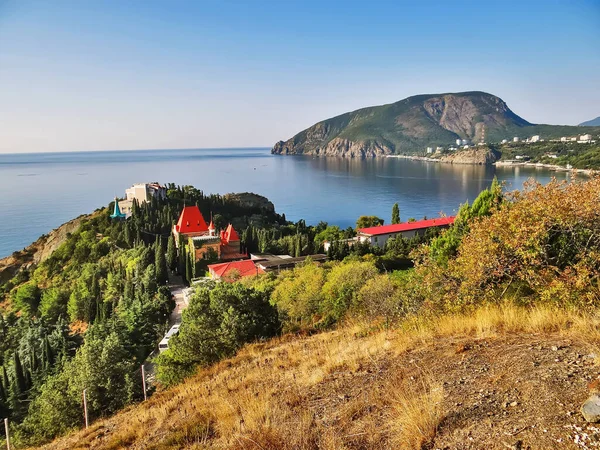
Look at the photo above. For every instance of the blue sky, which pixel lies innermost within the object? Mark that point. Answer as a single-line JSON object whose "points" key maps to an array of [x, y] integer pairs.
{"points": [[102, 75]]}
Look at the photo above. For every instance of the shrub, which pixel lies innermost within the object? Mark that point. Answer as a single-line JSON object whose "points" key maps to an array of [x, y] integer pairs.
{"points": [[341, 288], [298, 295]]}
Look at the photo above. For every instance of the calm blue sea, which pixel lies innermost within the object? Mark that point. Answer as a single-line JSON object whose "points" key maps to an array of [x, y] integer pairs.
{"points": [[41, 191]]}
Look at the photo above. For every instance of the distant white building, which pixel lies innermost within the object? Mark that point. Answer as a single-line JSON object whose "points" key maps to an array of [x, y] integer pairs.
{"points": [[535, 138], [504, 141], [464, 142], [429, 150], [585, 138], [142, 192], [465, 146], [563, 139], [515, 139], [573, 139], [458, 142]]}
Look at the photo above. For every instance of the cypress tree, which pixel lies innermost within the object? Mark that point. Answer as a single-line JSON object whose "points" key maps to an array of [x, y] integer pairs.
{"points": [[171, 253], [47, 355], [4, 410], [182, 258], [188, 270], [3, 393], [20, 385], [33, 361], [128, 290], [5, 381], [395, 213], [160, 263]]}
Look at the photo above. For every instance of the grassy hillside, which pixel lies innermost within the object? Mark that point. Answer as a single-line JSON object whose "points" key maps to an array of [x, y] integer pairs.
{"points": [[474, 381], [415, 123]]}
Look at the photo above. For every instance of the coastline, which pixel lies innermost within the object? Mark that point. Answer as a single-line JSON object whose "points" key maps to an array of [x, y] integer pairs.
{"points": [[507, 163]]}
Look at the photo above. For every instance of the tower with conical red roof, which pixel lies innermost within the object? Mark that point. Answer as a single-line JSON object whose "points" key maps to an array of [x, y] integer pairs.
{"points": [[191, 222]]}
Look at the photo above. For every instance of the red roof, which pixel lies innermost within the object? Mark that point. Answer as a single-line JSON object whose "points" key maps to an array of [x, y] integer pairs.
{"points": [[245, 268], [231, 234], [407, 226], [211, 225], [191, 221]]}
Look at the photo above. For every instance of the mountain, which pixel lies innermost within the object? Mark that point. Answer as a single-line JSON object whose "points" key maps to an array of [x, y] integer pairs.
{"points": [[591, 123], [415, 123]]}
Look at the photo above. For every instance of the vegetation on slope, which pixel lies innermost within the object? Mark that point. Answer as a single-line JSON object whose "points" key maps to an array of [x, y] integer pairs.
{"points": [[514, 266], [87, 316]]}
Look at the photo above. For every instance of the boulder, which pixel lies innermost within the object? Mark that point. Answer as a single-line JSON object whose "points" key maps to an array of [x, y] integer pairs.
{"points": [[591, 409]]}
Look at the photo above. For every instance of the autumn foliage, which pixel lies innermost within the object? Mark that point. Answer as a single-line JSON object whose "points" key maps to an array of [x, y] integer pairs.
{"points": [[539, 244]]}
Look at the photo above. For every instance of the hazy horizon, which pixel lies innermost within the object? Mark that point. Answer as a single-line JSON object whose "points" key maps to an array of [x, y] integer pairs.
{"points": [[112, 76]]}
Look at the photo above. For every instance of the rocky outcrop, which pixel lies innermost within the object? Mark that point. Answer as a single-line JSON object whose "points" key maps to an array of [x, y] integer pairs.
{"points": [[338, 147], [39, 250], [251, 201], [477, 156]]}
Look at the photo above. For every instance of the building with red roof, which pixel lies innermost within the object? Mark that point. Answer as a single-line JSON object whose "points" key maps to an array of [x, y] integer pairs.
{"points": [[378, 236], [234, 270], [191, 222], [204, 240]]}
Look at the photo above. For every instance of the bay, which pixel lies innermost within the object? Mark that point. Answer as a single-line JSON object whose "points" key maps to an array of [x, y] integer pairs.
{"points": [[39, 192]]}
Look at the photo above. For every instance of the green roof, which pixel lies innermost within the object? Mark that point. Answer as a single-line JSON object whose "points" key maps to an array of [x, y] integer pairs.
{"points": [[117, 214]]}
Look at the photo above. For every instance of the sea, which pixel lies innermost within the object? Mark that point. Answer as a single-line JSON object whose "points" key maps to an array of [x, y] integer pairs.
{"points": [[40, 191]]}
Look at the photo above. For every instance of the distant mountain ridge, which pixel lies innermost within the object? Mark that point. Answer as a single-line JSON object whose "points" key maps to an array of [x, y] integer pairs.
{"points": [[417, 122], [591, 123]]}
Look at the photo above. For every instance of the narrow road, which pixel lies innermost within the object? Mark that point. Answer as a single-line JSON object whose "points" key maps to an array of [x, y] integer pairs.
{"points": [[176, 287]]}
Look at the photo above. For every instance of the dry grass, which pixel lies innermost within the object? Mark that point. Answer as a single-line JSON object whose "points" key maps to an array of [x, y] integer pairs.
{"points": [[302, 392], [417, 413]]}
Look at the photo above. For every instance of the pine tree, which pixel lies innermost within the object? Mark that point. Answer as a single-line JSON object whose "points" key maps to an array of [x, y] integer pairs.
{"points": [[298, 250], [395, 213], [171, 254]]}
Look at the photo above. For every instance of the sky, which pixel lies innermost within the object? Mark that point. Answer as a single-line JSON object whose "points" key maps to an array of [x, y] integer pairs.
{"points": [[107, 75]]}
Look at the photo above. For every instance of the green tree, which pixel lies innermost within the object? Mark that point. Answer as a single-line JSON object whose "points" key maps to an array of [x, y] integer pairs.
{"points": [[27, 298], [160, 263], [446, 245], [171, 254], [368, 221], [53, 304], [395, 214], [217, 322]]}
